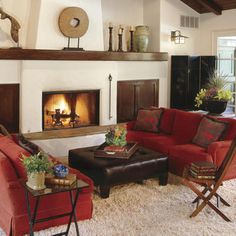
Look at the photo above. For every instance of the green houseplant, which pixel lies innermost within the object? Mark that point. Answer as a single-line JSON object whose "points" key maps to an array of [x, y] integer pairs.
{"points": [[115, 138], [36, 166], [215, 95]]}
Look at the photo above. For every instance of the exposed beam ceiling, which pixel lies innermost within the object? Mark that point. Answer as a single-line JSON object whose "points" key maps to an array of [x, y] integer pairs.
{"points": [[211, 6], [214, 6]]}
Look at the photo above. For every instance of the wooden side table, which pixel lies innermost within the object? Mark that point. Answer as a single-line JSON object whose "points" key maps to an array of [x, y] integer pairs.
{"points": [[54, 189]]}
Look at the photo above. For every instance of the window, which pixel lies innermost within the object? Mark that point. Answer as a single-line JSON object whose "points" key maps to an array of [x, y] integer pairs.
{"points": [[226, 64]]}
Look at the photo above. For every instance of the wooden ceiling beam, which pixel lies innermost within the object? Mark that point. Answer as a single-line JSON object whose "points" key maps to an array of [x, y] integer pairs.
{"points": [[211, 6]]}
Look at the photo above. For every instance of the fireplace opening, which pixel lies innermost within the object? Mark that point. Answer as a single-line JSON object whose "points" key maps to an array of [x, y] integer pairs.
{"points": [[70, 109]]}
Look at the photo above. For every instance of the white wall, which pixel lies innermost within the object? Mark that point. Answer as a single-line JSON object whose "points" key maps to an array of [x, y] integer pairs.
{"points": [[212, 25], [152, 9], [171, 10], [123, 12], [20, 11]]}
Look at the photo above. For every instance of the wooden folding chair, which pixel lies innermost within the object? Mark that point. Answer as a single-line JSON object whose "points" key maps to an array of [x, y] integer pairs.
{"points": [[210, 186]]}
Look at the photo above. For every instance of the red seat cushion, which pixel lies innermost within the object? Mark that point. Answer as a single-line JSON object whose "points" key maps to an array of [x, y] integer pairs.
{"points": [[183, 155], [14, 153], [160, 143], [148, 120], [209, 131], [186, 125], [138, 136]]}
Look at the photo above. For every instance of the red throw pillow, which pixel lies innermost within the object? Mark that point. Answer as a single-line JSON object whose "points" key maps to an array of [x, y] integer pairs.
{"points": [[148, 120], [209, 131]]}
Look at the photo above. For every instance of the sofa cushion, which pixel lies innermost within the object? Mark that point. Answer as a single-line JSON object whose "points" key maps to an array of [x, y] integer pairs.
{"points": [[160, 143], [230, 133], [148, 120], [183, 155], [186, 125], [167, 120], [14, 153], [209, 131], [139, 136]]}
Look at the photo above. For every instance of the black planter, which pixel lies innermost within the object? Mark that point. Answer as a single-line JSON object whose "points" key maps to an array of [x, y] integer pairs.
{"points": [[215, 106]]}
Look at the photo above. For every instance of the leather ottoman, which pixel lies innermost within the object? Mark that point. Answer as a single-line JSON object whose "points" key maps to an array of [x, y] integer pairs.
{"points": [[144, 163]]}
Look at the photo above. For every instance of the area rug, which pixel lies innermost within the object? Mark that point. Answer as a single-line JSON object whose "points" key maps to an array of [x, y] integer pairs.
{"points": [[150, 210]]}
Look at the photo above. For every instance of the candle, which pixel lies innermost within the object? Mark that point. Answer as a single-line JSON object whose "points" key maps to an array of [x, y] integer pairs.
{"points": [[110, 25], [120, 31], [131, 28]]}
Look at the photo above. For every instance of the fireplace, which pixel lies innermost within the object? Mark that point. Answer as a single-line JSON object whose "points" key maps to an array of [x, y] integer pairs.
{"points": [[70, 109]]}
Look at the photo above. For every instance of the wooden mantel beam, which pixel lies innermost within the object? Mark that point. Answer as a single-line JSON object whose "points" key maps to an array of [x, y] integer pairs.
{"points": [[211, 6]]}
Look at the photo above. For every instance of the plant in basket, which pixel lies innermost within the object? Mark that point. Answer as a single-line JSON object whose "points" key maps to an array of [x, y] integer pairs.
{"points": [[36, 166], [115, 138]]}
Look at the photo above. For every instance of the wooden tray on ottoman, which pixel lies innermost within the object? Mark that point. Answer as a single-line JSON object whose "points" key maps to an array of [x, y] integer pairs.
{"points": [[130, 149]]}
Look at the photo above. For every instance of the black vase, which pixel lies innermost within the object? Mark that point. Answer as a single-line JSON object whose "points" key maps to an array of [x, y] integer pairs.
{"points": [[215, 106]]}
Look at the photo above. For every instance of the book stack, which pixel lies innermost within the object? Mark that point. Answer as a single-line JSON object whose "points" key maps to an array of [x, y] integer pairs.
{"points": [[68, 180], [203, 170]]}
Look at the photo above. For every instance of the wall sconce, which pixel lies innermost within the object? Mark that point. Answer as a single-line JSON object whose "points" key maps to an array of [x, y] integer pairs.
{"points": [[177, 37]]}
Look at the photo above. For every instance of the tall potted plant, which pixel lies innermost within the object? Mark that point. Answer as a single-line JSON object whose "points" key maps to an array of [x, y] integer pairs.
{"points": [[215, 96], [36, 166]]}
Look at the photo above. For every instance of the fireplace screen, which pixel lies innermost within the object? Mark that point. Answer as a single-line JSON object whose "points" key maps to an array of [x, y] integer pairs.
{"points": [[70, 109]]}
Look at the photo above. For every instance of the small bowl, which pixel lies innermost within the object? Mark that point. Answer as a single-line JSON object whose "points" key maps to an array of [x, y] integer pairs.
{"points": [[61, 170]]}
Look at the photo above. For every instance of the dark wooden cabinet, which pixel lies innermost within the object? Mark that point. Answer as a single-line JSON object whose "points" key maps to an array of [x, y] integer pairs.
{"points": [[188, 75], [133, 95], [9, 106]]}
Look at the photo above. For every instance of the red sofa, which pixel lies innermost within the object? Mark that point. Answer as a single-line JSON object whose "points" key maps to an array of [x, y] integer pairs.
{"points": [[13, 211], [177, 130]]}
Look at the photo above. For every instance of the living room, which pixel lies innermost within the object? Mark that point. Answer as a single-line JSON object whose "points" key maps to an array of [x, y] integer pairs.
{"points": [[37, 68]]}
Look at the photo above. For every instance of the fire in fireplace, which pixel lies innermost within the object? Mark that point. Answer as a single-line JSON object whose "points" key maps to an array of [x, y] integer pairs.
{"points": [[70, 109]]}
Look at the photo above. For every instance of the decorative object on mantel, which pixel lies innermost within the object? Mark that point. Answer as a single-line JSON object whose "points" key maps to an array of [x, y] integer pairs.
{"points": [[141, 38], [15, 26], [110, 49], [131, 49], [73, 23], [177, 37], [120, 35], [215, 96]]}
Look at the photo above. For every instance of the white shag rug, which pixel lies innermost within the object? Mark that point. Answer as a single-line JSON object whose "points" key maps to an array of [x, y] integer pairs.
{"points": [[151, 210]]}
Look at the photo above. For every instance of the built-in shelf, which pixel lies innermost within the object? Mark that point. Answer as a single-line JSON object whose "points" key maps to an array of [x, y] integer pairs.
{"points": [[68, 133], [38, 54]]}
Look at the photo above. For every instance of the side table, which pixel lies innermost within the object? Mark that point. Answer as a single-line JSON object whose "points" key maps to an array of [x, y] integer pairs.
{"points": [[54, 189]]}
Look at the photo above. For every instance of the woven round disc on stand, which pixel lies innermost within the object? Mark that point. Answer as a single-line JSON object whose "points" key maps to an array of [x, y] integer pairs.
{"points": [[73, 22]]}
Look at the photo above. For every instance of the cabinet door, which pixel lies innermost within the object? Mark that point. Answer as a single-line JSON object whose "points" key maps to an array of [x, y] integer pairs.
{"points": [[194, 81], [9, 106], [208, 65], [179, 81], [133, 95], [125, 101]]}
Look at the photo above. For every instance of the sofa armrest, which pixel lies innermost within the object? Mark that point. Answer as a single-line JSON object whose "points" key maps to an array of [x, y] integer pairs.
{"points": [[218, 151], [131, 124]]}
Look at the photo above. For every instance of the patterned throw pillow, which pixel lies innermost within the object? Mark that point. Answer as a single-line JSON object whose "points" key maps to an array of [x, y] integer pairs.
{"points": [[148, 120], [209, 130]]}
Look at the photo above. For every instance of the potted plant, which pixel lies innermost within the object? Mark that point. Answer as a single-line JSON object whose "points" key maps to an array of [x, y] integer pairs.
{"points": [[36, 166], [215, 96], [115, 138]]}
